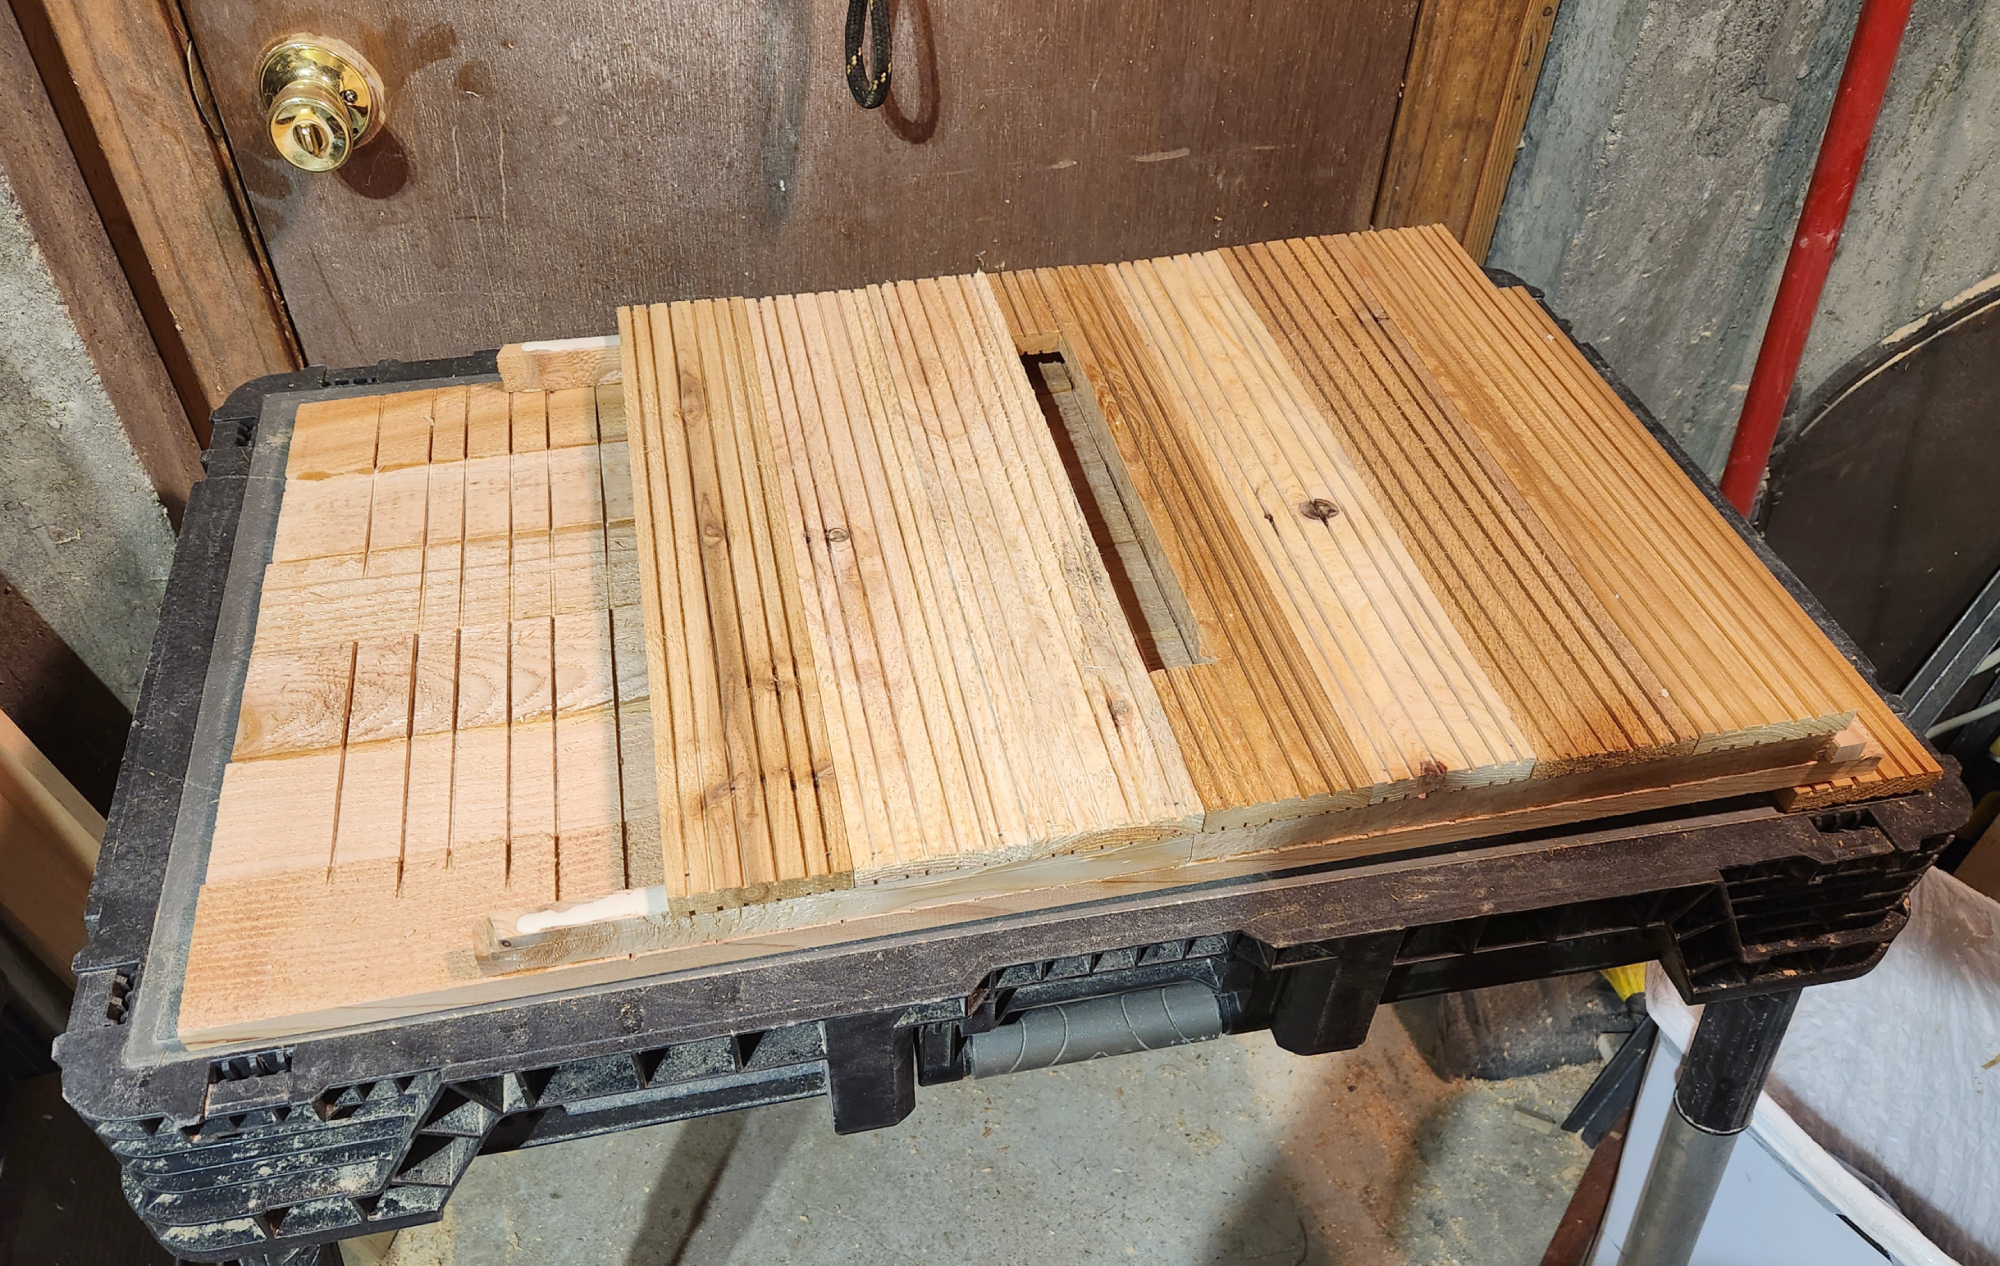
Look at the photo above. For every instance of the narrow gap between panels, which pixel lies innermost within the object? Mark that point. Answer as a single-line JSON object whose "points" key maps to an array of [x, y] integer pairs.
{"points": [[1156, 609]]}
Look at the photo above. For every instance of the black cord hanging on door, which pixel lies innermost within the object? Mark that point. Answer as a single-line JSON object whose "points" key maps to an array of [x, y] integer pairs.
{"points": [[869, 91]]}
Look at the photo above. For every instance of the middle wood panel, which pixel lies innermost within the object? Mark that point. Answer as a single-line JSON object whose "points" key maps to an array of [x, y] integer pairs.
{"points": [[889, 644]]}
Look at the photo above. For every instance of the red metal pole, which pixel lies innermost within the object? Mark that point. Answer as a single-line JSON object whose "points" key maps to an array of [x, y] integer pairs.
{"points": [[1871, 55]]}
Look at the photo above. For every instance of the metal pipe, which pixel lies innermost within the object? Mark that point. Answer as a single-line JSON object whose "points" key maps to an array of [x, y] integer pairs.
{"points": [[1871, 55], [1720, 1078], [1142, 1020], [1687, 1170]]}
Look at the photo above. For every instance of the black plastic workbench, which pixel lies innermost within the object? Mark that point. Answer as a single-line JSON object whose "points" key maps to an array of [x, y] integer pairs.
{"points": [[261, 1155]]}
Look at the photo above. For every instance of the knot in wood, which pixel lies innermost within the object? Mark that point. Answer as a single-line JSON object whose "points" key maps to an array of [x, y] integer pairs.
{"points": [[835, 535], [1319, 508]]}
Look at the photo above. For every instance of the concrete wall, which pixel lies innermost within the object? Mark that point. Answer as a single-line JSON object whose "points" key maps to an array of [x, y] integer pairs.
{"points": [[1665, 157], [82, 535]]}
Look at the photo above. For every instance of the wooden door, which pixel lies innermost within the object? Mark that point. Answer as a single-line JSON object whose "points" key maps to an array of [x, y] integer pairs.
{"points": [[543, 163]]}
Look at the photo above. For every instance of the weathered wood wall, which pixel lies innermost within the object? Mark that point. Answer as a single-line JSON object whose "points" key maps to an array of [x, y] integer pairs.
{"points": [[543, 164]]}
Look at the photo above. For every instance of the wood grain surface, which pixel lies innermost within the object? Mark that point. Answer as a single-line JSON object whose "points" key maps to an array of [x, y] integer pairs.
{"points": [[48, 185], [1731, 647], [434, 718], [644, 152], [168, 190], [1472, 73], [903, 649], [810, 621], [49, 838], [1412, 707]]}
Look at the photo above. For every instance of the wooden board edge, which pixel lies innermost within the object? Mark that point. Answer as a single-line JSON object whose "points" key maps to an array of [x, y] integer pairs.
{"points": [[37, 787], [1289, 845], [501, 946], [1439, 73], [560, 364], [49, 838], [705, 919]]}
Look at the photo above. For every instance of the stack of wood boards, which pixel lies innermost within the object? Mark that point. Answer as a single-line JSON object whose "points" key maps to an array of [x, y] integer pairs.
{"points": [[1625, 626], [1326, 545], [900, 647]]}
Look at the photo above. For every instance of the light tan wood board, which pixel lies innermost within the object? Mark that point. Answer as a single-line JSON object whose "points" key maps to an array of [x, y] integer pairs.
{"points": [[444, 695], [49, 836], [1409, 574], [556, 364]]}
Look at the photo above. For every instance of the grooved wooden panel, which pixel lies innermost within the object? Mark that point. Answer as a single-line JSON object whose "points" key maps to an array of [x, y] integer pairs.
{"points": [[858, 488], [1411, 709], [1578, 688], [742, 759], [434, 719], [1249, 733], [1736, 651], [1611, 637]]}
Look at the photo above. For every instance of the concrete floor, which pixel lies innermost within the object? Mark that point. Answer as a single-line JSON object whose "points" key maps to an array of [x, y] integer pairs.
{"points": [[1225, 1152]]}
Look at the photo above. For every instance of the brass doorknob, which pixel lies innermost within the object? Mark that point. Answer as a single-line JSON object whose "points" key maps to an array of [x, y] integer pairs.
{"points": [[321, 100]]}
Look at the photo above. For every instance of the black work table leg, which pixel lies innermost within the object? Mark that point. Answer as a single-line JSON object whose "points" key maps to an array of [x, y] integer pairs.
{"points": [[1721, 1076]]}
